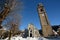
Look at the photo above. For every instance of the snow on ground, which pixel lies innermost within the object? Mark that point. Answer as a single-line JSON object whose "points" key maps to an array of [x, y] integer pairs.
{"points": [[30, 38], [20, 38]]}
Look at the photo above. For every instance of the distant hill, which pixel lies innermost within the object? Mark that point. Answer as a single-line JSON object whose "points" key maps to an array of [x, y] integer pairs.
{"points": [[55, 27]]}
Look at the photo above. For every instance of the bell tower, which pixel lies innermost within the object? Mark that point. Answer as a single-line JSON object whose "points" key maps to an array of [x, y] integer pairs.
{"points": [[46, 28]]}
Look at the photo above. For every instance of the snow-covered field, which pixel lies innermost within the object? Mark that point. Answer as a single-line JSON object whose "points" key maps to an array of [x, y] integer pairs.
{"points": [[30, 38], [20, 38]]}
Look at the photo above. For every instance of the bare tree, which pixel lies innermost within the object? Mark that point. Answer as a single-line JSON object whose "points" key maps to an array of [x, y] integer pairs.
{"points": [[13, 18]]}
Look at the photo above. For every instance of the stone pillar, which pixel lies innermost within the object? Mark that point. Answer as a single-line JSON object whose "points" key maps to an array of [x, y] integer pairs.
{"points": [[29, 33]]}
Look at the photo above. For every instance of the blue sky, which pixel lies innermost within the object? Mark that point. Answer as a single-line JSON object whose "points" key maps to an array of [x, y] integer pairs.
{"points": [[30, 15]]}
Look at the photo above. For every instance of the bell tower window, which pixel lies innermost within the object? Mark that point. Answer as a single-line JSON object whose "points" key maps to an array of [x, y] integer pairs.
{"points": [[42, 10]]}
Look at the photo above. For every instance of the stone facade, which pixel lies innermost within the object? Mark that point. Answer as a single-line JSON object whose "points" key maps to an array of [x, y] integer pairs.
{"points": [[33, 32], [46, 28]]}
